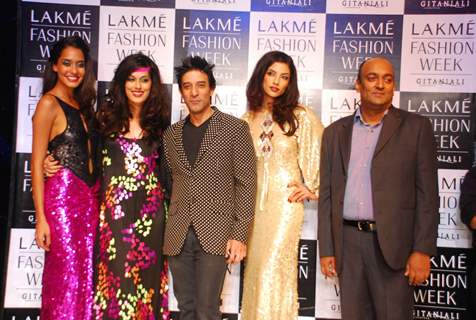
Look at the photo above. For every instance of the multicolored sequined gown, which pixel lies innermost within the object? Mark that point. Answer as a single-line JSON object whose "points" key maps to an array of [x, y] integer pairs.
{"points": [[270, 281], [130, 280], [71, 210]]}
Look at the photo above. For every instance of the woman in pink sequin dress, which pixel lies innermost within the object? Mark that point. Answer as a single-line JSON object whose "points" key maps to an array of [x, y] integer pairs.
{"points": [[67, 202]]}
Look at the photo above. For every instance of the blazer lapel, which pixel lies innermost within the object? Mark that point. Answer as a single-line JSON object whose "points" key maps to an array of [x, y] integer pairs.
{"points": [[178, 141], [209, 136], [345, 142], [390, 123]]}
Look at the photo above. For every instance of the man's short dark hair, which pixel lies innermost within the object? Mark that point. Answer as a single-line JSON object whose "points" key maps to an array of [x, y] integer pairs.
{"points": [[195, 63]]}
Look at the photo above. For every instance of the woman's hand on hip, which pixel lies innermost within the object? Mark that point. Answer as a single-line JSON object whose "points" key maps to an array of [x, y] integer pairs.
{"points": [[300, 193]]}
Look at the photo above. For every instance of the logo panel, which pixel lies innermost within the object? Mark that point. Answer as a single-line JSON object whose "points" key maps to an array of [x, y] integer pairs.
{"points": [[220, 5], [439, 53], [451, 231], [45, 24], [29, 94], [298, 35], [440, 6], [24, 270], [125, 32], [444, 295], [289, 5], [24, 209], [450, 116], [140, 3], [218, 36], [351, 39], [307, 277], [370, 6]]}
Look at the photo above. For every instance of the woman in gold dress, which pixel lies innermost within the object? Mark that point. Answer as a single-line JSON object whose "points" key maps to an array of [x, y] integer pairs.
{"points": [[287, 140]]}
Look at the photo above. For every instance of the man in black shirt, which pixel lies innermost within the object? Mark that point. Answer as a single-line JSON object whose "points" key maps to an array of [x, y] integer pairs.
{"points": [[211, 161], [192, 138]]}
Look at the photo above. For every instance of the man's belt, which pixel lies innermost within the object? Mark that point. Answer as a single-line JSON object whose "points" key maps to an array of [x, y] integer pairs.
{"points": [[362, 225]]}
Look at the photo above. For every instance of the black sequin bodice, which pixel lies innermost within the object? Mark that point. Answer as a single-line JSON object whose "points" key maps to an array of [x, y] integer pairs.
{"points": [[70, 147]]}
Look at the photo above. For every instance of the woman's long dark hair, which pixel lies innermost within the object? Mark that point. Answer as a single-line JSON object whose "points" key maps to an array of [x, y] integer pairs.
{"points": [[284, 105], [85, 93], [114, 114]]}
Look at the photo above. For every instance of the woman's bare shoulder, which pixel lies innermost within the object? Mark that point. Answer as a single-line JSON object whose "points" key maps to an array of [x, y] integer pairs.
{"points": [[47, 106]]}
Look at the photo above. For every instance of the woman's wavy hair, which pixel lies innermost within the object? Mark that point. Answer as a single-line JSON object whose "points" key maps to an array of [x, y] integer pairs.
{"points": [[85, 93], [284, 105], [114, 113]]}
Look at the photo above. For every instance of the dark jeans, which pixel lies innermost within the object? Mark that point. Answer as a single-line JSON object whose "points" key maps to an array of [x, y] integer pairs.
{"points": [[197, 280]]}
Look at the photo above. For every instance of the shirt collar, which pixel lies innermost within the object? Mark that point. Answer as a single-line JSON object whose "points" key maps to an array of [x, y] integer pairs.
{"points": [[215, 109], [358, 118]]}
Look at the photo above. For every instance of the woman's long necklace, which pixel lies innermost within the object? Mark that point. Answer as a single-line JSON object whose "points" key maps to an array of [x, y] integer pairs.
{"points": [[265, 146], [265, 150]]}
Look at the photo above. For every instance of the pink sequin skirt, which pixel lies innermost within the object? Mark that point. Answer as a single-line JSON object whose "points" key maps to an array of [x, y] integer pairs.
{"points": [[71, 209]]}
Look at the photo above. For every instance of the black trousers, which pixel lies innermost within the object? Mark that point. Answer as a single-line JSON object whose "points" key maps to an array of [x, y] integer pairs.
{"points": [[197, 280], [370, 289]]}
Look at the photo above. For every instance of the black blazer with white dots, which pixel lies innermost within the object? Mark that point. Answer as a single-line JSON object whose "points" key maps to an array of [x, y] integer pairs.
{"points": [[217, 195]]}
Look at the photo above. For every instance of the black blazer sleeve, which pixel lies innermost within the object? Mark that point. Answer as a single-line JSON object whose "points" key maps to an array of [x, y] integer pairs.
{"points": [[244, 168], [427, 218], [324, 225]]}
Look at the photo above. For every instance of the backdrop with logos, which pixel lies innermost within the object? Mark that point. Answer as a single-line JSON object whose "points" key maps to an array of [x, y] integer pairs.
{"points": [[430, 42]]}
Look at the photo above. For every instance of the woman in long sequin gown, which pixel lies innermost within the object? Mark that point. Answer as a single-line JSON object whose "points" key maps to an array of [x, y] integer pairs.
{"points": [[130, 282], [287, 138], [66, 203]]}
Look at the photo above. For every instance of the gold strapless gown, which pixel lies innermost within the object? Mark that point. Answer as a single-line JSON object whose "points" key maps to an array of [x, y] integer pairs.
{"points": [[270, 281]]}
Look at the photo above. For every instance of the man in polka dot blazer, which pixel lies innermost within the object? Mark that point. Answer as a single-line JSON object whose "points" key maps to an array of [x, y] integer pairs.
{"points": [[211, 162]]}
